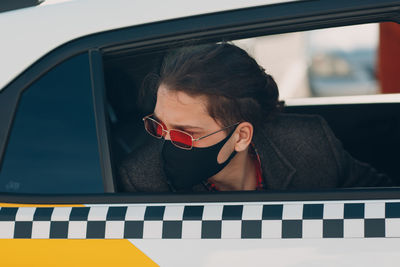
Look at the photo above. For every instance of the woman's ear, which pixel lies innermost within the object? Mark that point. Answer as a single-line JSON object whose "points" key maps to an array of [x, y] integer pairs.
{"points": [[243, 136]]}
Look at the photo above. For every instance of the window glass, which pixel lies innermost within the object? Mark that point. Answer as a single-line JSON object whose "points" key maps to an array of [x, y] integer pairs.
{"points": [[53, 144], [341, 61]]}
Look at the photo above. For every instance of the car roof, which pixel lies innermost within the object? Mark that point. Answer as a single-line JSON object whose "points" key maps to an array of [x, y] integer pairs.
{"points": [[34, 31]]}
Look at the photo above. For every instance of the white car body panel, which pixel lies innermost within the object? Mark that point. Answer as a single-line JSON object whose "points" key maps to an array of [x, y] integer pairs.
{"points": [[277, 252], [30, 33]]}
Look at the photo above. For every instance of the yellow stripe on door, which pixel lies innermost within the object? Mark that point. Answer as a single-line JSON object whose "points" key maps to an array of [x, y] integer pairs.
{"points": [[67, 252], [16, 205]]}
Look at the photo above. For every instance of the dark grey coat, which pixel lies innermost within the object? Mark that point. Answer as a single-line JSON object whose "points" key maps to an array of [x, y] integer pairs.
{"points": [[296, 152]]}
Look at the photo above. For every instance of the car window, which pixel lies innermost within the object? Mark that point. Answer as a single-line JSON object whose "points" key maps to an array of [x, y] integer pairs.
{"points": [[340, 61], [53, 146], [293, 59]]}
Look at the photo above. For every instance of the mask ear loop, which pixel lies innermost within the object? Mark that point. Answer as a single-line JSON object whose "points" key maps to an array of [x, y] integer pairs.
{"points": [[233, 154], [226, 162]]}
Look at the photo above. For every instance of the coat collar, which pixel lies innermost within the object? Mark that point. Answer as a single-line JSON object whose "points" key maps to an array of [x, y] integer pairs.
{"points": [[277, 170]]}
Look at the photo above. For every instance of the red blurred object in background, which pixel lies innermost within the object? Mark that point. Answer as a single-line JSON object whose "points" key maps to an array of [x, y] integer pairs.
{"points": [[389, 57]]}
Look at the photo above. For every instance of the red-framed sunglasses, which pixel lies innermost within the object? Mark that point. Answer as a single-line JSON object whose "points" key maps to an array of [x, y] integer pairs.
{"points": [[179, 138]]}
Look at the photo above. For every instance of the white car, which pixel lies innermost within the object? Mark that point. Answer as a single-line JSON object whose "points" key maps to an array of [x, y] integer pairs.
{"points": [[69, 74]]}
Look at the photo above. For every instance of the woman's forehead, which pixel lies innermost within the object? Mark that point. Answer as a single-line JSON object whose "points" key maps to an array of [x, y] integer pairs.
{"points": [[179, 108]]}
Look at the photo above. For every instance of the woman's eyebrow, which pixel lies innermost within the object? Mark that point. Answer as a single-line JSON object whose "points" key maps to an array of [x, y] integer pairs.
{"points": [[179, 126], [185, 126]]}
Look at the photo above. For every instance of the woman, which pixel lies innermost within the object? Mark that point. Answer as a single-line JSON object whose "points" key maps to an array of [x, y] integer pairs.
{"points": [[218, 127]]}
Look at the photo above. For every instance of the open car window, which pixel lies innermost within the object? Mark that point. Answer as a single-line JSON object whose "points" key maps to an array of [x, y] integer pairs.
{"points": [[339, 61], [305, 65]]}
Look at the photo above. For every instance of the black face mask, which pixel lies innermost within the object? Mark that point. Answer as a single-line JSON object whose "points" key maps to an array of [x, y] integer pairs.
{"points": [[186, 168]]}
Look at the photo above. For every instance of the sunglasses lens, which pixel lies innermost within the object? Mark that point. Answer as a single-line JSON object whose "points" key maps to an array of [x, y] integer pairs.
{"points": [[180, 139], [153, 128]]}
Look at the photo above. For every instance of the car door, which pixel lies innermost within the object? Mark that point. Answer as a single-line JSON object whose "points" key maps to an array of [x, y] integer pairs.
{"points": [[60, 203]]}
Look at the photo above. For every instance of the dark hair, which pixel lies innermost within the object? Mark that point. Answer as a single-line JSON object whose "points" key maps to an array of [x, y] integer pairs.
{"points": [[238, 89]]}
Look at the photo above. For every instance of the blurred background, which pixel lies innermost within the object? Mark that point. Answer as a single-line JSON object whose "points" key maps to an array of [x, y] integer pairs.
{"points": [[342, 61]]}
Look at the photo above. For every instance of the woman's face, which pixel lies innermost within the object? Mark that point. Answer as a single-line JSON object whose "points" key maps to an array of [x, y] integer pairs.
{"points": [[178, 110]]}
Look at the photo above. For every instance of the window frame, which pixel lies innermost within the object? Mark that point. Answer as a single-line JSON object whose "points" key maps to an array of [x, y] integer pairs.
{"points": [[236, 24], [102, 129]]}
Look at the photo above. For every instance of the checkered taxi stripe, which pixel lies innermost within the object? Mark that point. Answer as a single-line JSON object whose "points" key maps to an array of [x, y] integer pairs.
{"points": [[325, 220]]}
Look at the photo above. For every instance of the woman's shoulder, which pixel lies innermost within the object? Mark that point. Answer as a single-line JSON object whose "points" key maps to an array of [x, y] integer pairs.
{"points": [[143, 155], [299, 141], [142, 169], [297, 136]]}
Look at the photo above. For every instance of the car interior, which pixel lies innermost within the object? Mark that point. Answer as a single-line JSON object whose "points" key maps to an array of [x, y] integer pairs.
{"points": [[369, 131]]}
